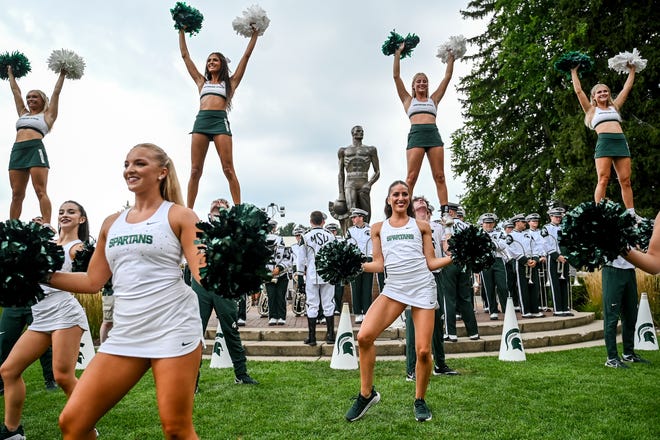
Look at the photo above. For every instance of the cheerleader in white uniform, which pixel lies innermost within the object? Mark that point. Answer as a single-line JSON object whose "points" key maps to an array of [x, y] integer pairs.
{"points": [[156, 318], [403, 248], [58, 320]]}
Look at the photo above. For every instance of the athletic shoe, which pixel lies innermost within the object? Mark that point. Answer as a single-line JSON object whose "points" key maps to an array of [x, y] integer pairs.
{"points": [[615, 363], [516, 308], [444, 370], [362, 404], [272, 321], [486, 310], [539, 315], [527, 315], [494, 317], [634, 358], [51, 385], [452, 338], [321, 320], [281, 321], [6, 434], [422, 411], [245, 379], [475, 337], [359, 318], [411, 377], [241, 322], [569, 314]]}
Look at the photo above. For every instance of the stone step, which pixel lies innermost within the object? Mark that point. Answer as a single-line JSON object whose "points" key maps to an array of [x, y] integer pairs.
{"points": [[543, 332]]}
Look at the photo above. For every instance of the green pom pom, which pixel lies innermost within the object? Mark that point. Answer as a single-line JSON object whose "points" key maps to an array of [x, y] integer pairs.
{"points": [[27, 255], [593, 234], [394, 41], [81, 261], [187, 18], [572, 59], [19, 63], [472, 248], [339, 262], [644, 232], [236, 251]]}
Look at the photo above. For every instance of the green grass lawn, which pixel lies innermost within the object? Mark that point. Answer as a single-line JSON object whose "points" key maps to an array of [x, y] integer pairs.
{"points": [[560, 395]]}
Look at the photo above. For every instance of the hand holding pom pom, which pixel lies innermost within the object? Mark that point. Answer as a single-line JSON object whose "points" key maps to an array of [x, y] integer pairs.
{"points": [[236, 251], [81, 261], [20, 65], [593, 234], [67, 61], [27, 256], [570, 60], [254, 18], [472, 248], [621, 63], [456, 45], [391, 45], [644, 233], [339, 262], [187, 18]]}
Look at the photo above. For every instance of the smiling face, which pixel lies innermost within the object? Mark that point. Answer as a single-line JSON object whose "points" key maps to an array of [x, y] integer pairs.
{"points": [[36, 101], [213, 63], [601, 95], [142, 169], [420, 85], [399, 198], [69, 216], [421, 210]]}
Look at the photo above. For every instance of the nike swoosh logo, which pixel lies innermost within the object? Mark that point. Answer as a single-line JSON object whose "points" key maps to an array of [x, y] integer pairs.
{"points": [[152, 223], [183, 344]]}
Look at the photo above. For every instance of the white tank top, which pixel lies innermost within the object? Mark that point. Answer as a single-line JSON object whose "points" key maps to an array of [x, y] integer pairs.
{"points": [[213, 89], [601, 116], [66, 266], [402, 248], [35, 122], [417, 106]]}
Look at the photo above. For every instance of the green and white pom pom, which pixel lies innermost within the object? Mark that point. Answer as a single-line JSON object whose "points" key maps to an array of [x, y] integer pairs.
{"points": [[252, 16], [569, 60], [394, 41], [80, 262], [472, 248], [593, 234], [456, 45], [236, 251], [644, 233], [67, 60], [619, 62], [187, 18], [339, 262], [27, 255], [20, 65]]}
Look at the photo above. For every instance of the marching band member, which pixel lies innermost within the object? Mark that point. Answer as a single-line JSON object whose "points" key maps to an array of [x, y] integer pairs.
{"points": [[339, 288], [538, 245], [522, 251], [279, 266], [558, 268], [362, 285], [494, 279]]}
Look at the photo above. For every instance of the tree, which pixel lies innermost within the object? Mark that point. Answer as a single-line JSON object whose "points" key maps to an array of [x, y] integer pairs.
{"points": [[524, 144]]}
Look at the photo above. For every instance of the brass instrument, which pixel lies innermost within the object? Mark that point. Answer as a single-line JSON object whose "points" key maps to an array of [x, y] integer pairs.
{"points": [[560, 270], [528, 274]]}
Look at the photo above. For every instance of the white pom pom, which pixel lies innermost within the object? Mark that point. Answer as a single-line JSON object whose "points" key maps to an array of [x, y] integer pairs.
{"points": [[619, 63], [252, 16], [67, 60], [456, 44]]}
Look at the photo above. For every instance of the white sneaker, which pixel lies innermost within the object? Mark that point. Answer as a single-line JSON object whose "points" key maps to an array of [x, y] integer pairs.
{"points": [[281, 321], [272, 321], [359, 319], [494, 316], [240, 322]]}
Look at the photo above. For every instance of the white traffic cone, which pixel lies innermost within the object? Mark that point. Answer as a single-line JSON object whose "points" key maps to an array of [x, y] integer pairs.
{"points": [[220, 357], [511, 346], [344, 353], [645, 336], [86, 352]]}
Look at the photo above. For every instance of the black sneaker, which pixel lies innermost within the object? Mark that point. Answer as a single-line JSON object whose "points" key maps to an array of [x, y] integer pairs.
{"points": [[51, 385], [444, 370], [422, 411], [245, 379], [362, 404], [411, 377], [615, 363], [634, 358], [6, 434]]}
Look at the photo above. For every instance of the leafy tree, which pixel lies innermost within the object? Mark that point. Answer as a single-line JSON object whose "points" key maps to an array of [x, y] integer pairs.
{"points": [[524, 145], [287, 230]]}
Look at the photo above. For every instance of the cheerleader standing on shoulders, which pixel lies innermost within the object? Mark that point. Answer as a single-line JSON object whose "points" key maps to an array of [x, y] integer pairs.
{"points": [[28, 158], [402, 246], [58, 320], [150, 237], [216, 89]]}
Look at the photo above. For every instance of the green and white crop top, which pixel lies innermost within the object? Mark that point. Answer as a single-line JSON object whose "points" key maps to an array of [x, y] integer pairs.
{"points": [[417, 106], [34, 122], [600, 116], [213, 89]]}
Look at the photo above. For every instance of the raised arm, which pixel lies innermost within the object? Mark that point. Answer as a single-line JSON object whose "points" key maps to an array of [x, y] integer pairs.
{"points": [[577, 87], [627, 86], [51, 114], [190, 66], [442, 87], [404, 96], [16, 91], [98, 271], [242, 64]]}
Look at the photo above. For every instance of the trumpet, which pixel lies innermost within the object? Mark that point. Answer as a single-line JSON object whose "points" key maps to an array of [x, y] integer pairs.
{"points": [[528, 274], [560, 270]]}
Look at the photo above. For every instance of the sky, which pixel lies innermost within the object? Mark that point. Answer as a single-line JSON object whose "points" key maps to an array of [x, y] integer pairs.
{"points": [[316, 72]]}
